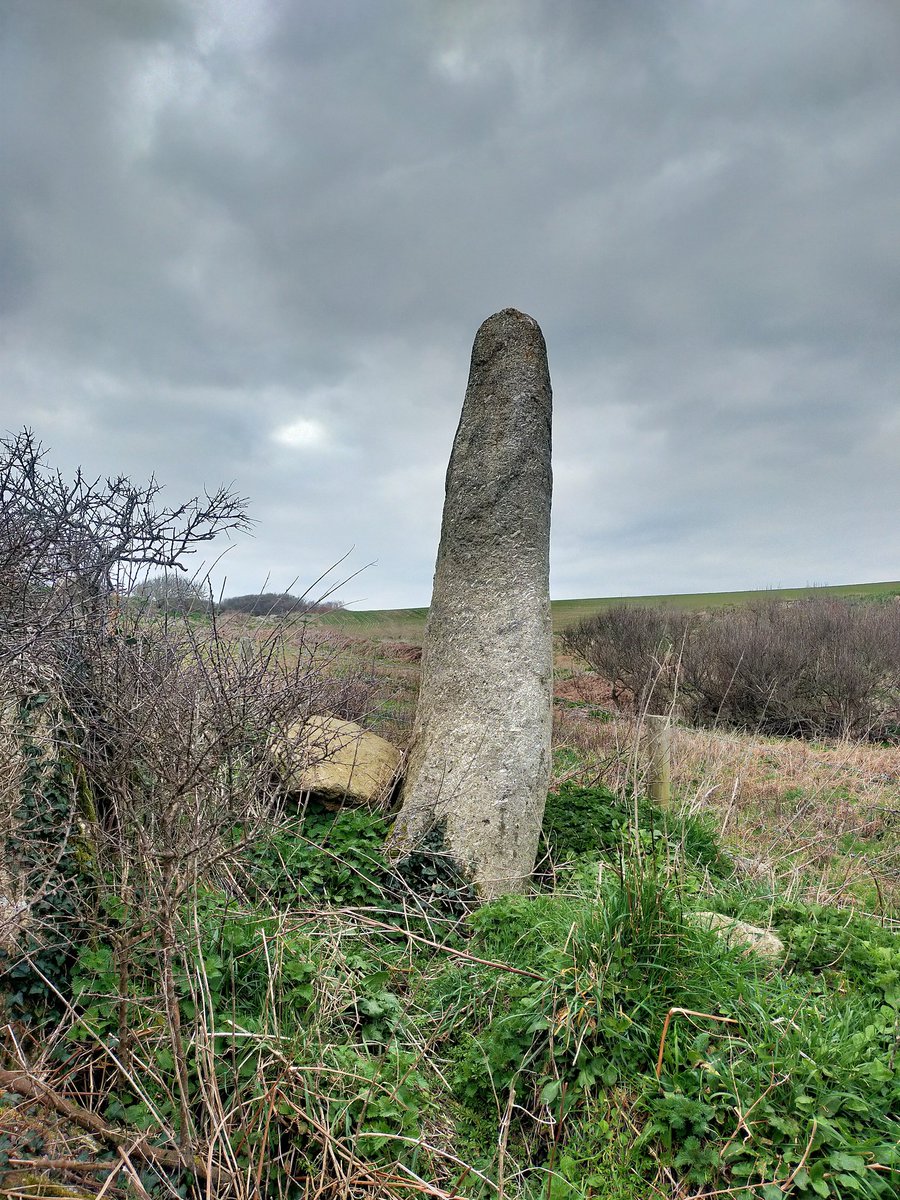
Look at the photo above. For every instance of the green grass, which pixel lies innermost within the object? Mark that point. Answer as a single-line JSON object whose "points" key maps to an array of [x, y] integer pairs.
{"points": [[398, 624], [592, 1040], [340, 1020], [408, 624]]}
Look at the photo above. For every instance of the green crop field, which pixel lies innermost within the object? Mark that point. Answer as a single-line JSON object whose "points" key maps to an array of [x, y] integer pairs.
{"points": [[407, 624], [399, 624]]}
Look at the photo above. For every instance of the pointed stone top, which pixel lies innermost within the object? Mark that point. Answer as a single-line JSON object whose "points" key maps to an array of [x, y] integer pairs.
{"points": [[509, 314]]}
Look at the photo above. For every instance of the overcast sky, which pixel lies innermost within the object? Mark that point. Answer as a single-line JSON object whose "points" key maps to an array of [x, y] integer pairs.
{"points": [[250, 242]]}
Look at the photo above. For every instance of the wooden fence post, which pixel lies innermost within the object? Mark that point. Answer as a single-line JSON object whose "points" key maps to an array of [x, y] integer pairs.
{"points": [[660, 739]]}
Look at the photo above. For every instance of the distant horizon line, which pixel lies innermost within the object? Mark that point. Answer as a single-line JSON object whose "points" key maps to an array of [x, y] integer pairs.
{"points": [[802, 587]]}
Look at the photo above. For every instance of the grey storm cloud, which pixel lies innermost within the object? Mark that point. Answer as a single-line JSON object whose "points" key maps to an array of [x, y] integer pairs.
{"points": [[250, 242]]}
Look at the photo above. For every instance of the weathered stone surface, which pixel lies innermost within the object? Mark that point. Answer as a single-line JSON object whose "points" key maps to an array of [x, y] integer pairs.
{"points": [[479, 763], [738, 933], [337, 760]]}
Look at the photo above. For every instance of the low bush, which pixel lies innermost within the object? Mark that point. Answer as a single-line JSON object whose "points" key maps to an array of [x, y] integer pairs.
{"points": [[276, 604], [810, 668]]}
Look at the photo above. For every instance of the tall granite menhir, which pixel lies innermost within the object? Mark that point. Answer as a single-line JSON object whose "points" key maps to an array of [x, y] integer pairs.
{"points": [[479, 764]]}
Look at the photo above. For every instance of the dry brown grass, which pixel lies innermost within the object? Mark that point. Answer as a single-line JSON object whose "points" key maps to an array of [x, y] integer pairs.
{"points": [[821, 818]]}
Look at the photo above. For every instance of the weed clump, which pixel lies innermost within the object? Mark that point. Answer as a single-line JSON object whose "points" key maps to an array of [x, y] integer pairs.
{"points": [[593, 822], [808, 1056], [434, 882], [317, 856]]}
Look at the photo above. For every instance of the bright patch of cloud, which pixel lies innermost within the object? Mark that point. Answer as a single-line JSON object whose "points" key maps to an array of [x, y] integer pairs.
{"points": [[302, 434]]}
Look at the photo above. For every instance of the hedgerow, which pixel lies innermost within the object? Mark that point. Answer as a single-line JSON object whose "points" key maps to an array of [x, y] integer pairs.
{"points": [[811, 668]]}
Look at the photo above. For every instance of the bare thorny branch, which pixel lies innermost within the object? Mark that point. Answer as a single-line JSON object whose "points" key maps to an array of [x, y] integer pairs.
{"points": [[162, 730], [91, 528]]}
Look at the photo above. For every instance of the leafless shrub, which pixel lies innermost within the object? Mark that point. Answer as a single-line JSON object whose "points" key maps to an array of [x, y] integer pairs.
{"points": [[134, 757], [170, 590], [615, 643], [277, 604], [811, 668]]}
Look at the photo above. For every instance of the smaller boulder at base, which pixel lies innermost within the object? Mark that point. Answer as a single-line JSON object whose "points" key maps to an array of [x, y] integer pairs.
{"points": [[336, 760], [759, 941]]}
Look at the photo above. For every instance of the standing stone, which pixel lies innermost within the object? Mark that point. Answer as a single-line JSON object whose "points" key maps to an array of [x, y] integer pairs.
{"points": [[479, 764]]}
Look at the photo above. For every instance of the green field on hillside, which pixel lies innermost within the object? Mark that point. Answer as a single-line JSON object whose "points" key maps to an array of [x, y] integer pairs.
{"points": [[407, 624], [401, 624]]}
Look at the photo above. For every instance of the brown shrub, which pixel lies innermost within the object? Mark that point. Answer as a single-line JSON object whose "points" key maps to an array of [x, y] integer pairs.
{"points": [[811, 668]]}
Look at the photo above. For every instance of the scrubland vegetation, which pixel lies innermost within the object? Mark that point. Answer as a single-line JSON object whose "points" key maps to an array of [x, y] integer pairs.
{"points": [[276, 604], [815, 667], [214, 989]]}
